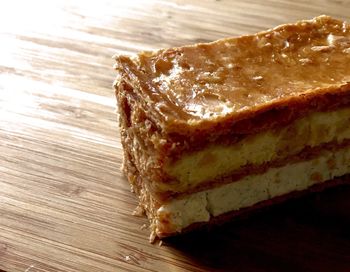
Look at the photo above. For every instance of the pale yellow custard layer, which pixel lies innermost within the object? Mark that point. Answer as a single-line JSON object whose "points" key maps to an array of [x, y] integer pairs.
{"points": [[250, 190], [221, 160]]}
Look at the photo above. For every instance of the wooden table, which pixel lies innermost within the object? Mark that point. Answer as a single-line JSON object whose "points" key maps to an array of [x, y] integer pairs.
{"points": [[64, 204]]}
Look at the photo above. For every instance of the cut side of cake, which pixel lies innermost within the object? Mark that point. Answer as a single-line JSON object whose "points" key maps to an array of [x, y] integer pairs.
{"points": [[213, 130]]}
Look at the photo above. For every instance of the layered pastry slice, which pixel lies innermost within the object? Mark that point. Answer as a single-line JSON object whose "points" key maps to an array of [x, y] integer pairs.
{"points": [[216, 129]]}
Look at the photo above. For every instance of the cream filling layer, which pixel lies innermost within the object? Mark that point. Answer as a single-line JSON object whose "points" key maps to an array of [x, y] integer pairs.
{"points": [[199, 207], [220, 160]]}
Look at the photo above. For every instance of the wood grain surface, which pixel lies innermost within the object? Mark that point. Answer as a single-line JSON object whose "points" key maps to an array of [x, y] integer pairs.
{"points": [[64, 204]]}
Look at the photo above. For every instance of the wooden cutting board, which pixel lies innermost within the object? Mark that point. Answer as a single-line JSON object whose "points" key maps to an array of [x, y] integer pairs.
{"points": [[64, 204]]}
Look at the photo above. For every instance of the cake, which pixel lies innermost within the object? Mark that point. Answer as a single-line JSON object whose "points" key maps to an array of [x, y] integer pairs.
{"points": [[213, 130]]}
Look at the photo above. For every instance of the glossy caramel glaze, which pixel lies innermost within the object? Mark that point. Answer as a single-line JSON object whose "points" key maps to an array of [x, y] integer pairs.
{"points": [[200, 85]]}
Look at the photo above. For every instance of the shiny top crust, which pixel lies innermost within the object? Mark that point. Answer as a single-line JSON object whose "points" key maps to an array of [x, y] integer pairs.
{"points": [[230, 79]]}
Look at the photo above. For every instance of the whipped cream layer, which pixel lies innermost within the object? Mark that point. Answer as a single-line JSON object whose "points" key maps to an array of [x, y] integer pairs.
{"points": [[219, 160], [179, 213]]}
